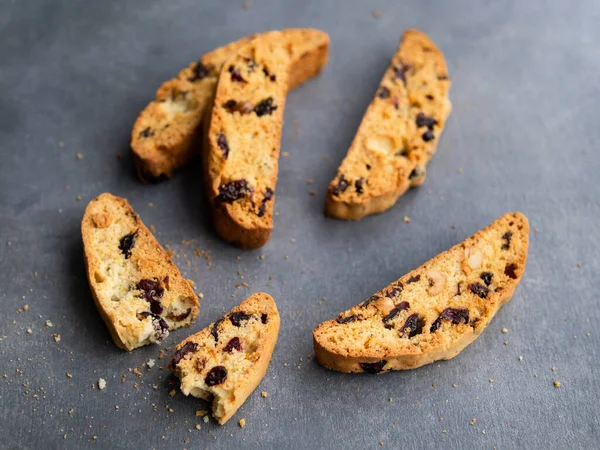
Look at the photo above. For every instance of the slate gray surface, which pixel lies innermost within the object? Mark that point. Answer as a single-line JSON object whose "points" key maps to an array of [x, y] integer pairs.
{"points": [[74, 75]]}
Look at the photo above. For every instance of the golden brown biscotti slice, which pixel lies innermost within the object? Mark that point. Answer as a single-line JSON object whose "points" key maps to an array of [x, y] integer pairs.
{"points": [[240, 156], [433, 312], [398, 133], [164, 133], [226, 361], [137, 289]]}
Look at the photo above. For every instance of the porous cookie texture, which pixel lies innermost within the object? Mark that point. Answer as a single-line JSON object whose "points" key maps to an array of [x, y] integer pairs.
{"points": [[137, 288], [433, 312], [164, 135], [226, 361], [398, 134], [240, 157]]}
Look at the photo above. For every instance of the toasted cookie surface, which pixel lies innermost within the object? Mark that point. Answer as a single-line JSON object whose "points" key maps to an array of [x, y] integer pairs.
{"points": [[226, 361], [137, 288], [433, 312], [165, 134], [398, 134]]}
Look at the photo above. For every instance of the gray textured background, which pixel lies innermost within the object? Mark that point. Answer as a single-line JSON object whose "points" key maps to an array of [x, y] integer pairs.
{"points": [[523, 132]]}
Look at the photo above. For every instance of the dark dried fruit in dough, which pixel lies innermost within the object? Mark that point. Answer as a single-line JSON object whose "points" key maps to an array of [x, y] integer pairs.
{"points": [[373, 368], [223, 145], [411, 327], [266, 106], [234, 190], [152, 292], [348, 319], [217, 375], [127, 243], [189, 347], [233, 344], [486, 277], [238, 317], [479, 289]]}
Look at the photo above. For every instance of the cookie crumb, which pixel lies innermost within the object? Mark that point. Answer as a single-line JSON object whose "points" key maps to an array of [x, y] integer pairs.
{"points": [[172, 393], [29, 331], [150, 363], [264, 394], [390, 399], [453, 385], [69, 375], [406, 219], [56, 337], [473, 421], [505, 342], [505, 330], [284, 154], [579, 265], [25, 307], [376, 13], [520, 358], [553, 369], [536, 229], [205, 419], [79, 156], [246, 4], [557, 384], [459, 170], [48, 324], [198, 426], [242, 423], [201, 412], [101, 383], [491, 380]]}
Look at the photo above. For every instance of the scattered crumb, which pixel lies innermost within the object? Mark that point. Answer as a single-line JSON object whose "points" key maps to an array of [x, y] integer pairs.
{"points": [[390, 399], [284, 154], [377, 15], [246, 4], [56, 337], [312, 193], [198, 426], [453, 385], [505, 330], [536, 229], [242, 423], [553, 369], [29, 331], [172, 393], [557, 384], [264, 394], [309, 181], [520, 358], [171, 410], [381, 443], [69, 375], [150, 363], [505, 342], [406, 219], [205, 419], [61, 144], [433, 384], [101, 383], [459, 170], [491, 380], [201, 412], [25, 307], [473, 421], [151, 205], [78, 198], [579, 265], [48, 324], [95, 437], [79, 155]]}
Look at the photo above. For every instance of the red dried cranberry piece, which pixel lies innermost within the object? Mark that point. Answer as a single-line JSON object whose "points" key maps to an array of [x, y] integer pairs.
{"points": [[161, 328], [263, 206], [368, 301], [189, 347], [152, 292], [223, 145], [511, 271], [232, 106], [272, 76], [403, 306], [341, 186], [436, 325], [423, 121], [486, 277], [414, 279], [237, 317], [358, 185], [179, 317], [401, 71], [233, 344], [428, 136], [383, 92], [455, 315], [373, 368], [412, 325], [507, 237], [216, 375], [146, 133], [395, 291], [215, 329], [200, 71], [236, 75], [479, 289], [265, 106], [232, 191], [352, 318], [127, 243], [264, 318]]}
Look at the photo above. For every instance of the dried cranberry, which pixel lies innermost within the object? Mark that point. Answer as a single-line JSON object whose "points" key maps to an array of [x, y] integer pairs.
{"points": [[507, 237], [200, 71], [264, 318], [368, 301], [265, 106], [413, 279], [223, 145], [479, 289], [401, 71], [417, 172], [233, 344], [272, 76], [232, 106], [146, 133], [215, 329], [458, 288], [263, 206], [232, 191], [486, 277], [358, 184], [352, 318], [152, 292], [341, 186], [216, 375], [373, 368], [395, 291], [455, 315], [412, 324], [161, 328], [237, 317], [200, 364], [182, 352], [127, 243], [383, 92], [511, 271], [236, 75], [403, 306], [424, 121], [428, 136], [179, 317]]}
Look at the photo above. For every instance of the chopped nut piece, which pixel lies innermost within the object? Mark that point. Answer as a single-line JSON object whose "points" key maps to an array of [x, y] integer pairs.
{"points": [[384, 304], [437, 281], [101, 383], [473, 259]]}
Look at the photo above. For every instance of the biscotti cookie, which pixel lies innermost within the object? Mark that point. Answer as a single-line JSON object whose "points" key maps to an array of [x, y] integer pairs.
{"points": [[398, 133], [433, 312], [226, 361], [164, 133], [240, 156], [137, 289]]}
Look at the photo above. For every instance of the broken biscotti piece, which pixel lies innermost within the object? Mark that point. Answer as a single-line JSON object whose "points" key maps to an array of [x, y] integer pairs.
{"points": [[163, 137], [398, 133], [227, 360], [137, 289], [433, 312], [240, 156]]}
